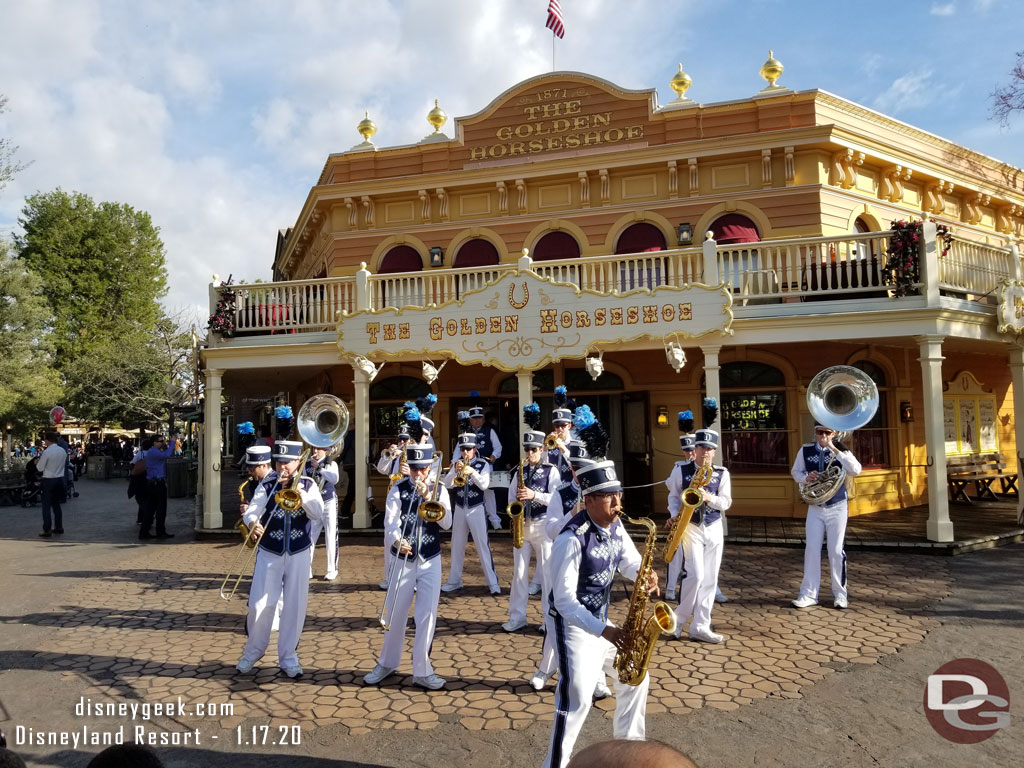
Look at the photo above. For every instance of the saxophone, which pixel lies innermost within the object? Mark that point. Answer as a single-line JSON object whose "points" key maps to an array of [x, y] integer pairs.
{"points": [[691, 499], [635, 650], [240, 525], [515, 510]]}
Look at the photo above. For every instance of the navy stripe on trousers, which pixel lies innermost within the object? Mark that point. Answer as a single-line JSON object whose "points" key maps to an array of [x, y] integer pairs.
{"points": [[842, 575], [561, 691]]}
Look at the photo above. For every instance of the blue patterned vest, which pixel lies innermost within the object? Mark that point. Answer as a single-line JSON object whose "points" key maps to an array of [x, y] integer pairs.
{"points": [[557, 459], [484, 444], [569, 495], [815, 460], [703, 514], [284, 531], [535, 477], [598, 562], [327, 490], [425, 538], [469, 496]]}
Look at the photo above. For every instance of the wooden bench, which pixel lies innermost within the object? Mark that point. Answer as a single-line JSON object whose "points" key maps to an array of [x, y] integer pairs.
{"points": [[982, 469]]}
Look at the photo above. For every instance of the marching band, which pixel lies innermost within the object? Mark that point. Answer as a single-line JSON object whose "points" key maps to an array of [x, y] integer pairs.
{"points": [[565, 501]]}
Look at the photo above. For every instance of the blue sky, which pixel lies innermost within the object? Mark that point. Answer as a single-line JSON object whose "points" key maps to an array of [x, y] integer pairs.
{"points": [[217, 117]]}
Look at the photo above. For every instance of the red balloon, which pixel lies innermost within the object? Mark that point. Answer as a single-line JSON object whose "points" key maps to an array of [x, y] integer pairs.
{"points": [[56, 414]]}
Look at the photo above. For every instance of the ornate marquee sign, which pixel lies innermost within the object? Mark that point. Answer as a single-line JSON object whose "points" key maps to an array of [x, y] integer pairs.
{"points": [[1010, 315], [524, 322]]}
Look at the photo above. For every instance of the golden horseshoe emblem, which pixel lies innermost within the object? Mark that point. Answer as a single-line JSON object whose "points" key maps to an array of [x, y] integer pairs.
{"points": [[512, 296]]}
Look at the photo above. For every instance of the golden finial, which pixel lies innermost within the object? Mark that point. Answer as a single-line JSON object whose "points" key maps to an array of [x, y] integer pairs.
{"points": [[680, 83], [771, 70], [437, 117], [366, 128]]}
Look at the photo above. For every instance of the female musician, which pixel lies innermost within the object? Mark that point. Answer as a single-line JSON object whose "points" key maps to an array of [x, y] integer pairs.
{"points": [[416, 568]]}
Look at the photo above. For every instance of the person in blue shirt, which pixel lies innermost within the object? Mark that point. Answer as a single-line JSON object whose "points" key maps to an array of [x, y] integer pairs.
{"points": [[156, 489]]}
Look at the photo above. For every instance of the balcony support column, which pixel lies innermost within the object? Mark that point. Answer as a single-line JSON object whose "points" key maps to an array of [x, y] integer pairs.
{"points": [[1017, 377], [940, 527], [360, 422], [929, 265], [213, 518]]}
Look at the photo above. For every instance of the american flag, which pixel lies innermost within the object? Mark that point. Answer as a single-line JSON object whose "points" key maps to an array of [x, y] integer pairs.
{"points": [[555, 22]]}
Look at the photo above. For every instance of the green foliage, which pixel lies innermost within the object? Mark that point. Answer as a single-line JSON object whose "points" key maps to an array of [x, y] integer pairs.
{"points": [[8, 166], [29, 386]]}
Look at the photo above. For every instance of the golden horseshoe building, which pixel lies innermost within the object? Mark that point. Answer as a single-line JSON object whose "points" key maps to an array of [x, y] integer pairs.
{"points": [[574, 232]]}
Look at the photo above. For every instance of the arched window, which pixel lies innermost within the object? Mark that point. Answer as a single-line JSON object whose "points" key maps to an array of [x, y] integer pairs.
{"points": [[734, 228], [870, 443], [753, 417], [476, 253], [401, 258], [640, 238], [556, 246]]}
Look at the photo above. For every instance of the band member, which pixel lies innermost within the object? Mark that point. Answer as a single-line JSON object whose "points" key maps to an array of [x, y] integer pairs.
{"points": [[469, 516], [675, 486], [257, 459], [390, 461], [538, 492], [702, 542], [488, 446], [324, 473], [561, 420], [416, 549], [586, 554], [425, 405], [828, 518], [283, 561]]}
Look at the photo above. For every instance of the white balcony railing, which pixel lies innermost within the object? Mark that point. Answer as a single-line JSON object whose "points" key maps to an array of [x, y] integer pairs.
{"points": [[768, 272]]}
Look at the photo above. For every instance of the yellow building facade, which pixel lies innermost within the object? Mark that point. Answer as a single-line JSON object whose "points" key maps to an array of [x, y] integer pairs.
{"points": [[600, 199]]}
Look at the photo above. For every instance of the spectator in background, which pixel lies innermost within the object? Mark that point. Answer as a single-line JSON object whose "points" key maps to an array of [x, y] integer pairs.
{"points": [[137, 484], [263, 438], [51, 464], [347, 459], [155, 508]]}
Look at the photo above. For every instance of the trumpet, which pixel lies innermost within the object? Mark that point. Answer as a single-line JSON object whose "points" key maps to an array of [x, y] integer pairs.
{"points": [[552, 442], [516, 511], [463, 471]]}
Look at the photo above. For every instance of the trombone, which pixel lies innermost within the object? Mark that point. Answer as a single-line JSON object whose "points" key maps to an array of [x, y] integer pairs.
{"points": [[248, 542], [430, 510]]}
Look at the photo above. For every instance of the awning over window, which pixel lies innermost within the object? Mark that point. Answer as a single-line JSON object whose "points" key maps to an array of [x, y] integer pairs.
{"points": [[734, 228]]}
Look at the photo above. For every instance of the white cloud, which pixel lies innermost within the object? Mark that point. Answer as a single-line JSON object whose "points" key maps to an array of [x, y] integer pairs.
{"points": [[946, 9], [910, 91]]}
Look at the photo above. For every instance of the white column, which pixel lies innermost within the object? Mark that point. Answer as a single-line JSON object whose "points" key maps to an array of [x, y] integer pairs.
{"points": [[361, 424], [709, 255], [930, 263], [714, 389], [1017, 376], [212, 517], [940, 528], [525, 380]]}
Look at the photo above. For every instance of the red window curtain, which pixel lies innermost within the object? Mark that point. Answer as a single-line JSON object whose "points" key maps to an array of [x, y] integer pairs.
{"points": [[401, 258], [734, 228], [640, 238], [556, 246], [476, 253]]}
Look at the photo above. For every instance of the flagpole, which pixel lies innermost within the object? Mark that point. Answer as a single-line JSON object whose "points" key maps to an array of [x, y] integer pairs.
{"points": [[552, 51]]}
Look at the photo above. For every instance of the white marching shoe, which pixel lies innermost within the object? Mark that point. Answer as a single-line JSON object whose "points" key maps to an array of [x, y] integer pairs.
{"points": [[804, 602], [706, 636]]}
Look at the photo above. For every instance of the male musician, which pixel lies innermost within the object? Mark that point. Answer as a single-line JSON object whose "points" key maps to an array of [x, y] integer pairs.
{"points": [[829, 517], [702, 543], [587, 553], [488, 446], [283, 561], [568, 490], [425, 405], [675, 494], [416, 550], [469, 516], [324, 473], [538, 492], [390, 461]]}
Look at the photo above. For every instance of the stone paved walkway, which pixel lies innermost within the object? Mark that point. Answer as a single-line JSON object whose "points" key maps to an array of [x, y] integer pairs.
{"points": [[152, 627]]}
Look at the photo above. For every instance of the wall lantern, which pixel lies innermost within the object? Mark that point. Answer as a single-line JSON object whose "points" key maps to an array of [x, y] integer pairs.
{"points": [[436, 256], [906, 412], [662, 418], [685, 233]]}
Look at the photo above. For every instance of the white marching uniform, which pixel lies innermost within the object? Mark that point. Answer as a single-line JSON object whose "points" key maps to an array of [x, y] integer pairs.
{"points": [[280, 574], [827, 520], [492, 442], [388, 467], [329, 475], [701, 549], [583, 564], [419, 575], [674, 483], [535, 538], [471, 519]]}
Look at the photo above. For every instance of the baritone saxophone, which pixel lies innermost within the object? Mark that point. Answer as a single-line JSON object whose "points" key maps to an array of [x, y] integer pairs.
{"points": [[640, 633]]}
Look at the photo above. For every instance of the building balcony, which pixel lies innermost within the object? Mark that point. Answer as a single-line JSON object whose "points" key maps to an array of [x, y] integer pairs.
{"points": [[768, 279]]}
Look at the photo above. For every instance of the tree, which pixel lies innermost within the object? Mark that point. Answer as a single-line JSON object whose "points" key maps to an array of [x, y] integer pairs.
{"points": [[1010, 97], [29, 386], [8, 167], [103, 276]]}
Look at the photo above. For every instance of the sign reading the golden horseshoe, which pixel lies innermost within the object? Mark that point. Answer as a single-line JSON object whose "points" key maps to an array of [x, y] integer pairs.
{"points": [[524, 322]]}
